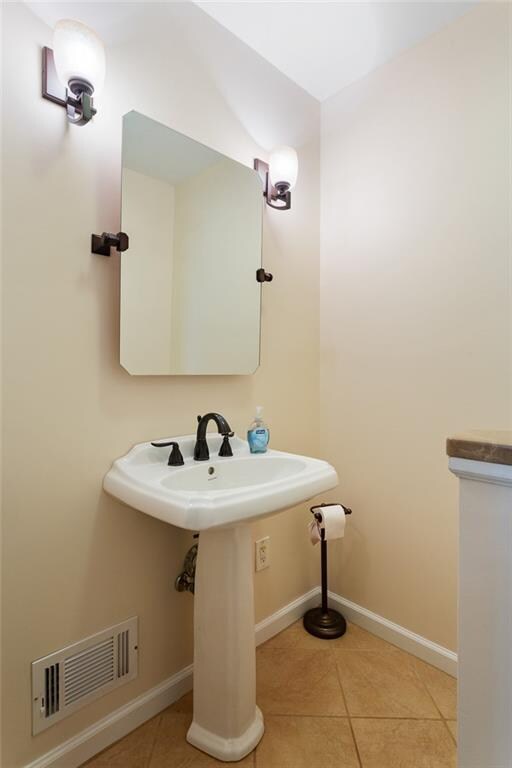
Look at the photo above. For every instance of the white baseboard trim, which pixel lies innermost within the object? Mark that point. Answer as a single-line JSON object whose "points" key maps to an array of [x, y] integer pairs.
{"points": [[84, 745], [419, 646], [75, 751], [285, 616]]}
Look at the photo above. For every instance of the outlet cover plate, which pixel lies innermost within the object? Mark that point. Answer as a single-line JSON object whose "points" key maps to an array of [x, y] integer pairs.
{"points": [[262, 553]]}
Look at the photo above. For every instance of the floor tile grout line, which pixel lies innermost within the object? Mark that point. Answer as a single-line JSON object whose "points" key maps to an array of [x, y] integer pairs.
{"points": [[443, 718], [449, 731], [420, 678], [358, 717], [356, 746], [333, 647], [311, 716], [92, 760], [415, 676], [397, 717], [153, 745]]}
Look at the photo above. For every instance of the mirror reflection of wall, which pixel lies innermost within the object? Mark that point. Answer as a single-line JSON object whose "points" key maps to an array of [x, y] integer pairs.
{"points": [[190, 302]]}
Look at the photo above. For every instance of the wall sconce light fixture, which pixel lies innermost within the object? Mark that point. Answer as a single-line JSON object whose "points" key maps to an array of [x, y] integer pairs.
{"points": [[74, 69], [279, 176]]}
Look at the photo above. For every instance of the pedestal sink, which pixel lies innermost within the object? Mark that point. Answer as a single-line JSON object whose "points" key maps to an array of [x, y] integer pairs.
{"points": [[220, 498]]}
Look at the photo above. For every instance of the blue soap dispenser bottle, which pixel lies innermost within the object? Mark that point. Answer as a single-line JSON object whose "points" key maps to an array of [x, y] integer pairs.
{"points": [[258, 433]]}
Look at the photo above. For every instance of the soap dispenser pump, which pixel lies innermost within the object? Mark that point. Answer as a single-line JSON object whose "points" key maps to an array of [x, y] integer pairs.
{"points": [[258, 433]]}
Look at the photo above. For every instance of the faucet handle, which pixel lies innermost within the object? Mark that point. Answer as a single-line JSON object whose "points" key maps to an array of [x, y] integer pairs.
{"points": [[225, 448], [175, 456]]}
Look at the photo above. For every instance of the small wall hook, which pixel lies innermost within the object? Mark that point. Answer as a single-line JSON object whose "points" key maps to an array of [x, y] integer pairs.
{"points": [[264, 277], [101, 244]]}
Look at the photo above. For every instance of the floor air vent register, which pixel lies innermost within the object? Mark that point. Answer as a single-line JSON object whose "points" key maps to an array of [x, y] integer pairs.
{"points": [[70, 678]]}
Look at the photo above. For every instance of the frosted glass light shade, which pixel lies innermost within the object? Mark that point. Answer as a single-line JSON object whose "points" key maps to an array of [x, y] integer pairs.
{"points": [[284, 166], [78, 53]]}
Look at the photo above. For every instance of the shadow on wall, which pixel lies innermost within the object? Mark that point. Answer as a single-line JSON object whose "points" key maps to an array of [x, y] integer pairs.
{"points": [[127, 547]]}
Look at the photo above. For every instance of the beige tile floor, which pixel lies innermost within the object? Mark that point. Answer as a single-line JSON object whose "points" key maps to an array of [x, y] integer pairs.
{"points": [[355, 702]]}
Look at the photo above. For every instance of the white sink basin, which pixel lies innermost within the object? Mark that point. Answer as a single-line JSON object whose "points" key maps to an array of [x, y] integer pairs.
{"points": [[220, 497], [219, 492], [246, 471]]}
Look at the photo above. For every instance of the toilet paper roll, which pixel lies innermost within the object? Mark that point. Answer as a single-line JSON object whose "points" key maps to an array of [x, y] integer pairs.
{"points": [[332, 522]]}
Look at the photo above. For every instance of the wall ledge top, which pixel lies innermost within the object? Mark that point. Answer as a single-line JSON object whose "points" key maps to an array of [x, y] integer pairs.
{"points": [[488, 446]]}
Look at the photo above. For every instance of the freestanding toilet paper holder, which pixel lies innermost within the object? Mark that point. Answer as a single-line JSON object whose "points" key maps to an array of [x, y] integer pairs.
{"points": [[324, 622]]}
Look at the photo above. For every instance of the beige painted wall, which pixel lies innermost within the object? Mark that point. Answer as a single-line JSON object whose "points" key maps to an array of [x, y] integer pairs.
{"points": [[1, 399], [415, 306], [75, 560]]}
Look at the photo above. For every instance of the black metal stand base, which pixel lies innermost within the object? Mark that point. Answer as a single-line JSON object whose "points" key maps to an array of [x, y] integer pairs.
{"points": [[325, 624]]}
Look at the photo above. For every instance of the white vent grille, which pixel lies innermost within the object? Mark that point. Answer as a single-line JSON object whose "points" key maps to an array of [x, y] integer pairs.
{"points": [[68, 679], [123, 655], [51, 689]]}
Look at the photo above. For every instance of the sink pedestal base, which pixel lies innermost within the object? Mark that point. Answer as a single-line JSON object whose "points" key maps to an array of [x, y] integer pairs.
{"points": [[227, 724]]}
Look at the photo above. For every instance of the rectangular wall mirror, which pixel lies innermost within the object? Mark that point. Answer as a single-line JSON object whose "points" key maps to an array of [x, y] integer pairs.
{"points": [[190, 300]]}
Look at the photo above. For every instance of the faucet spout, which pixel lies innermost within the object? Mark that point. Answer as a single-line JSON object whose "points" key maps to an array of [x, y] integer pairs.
{"points": [[201, 452]]}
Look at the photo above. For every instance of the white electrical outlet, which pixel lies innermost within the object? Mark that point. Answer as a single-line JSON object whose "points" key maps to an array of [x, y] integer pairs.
{"points": [[263, 553]]}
